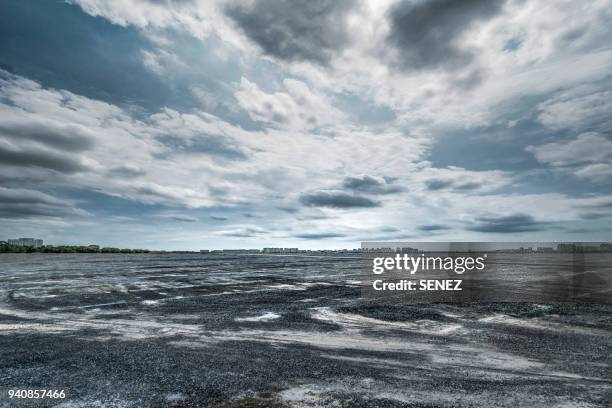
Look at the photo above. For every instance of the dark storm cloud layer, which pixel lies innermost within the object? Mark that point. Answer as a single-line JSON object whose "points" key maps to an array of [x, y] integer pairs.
{"points": [[19, 203], [32, 211], [20, 196], [340, 200], [508, 224], [42, 158], [321, 235], [218, 218], [368, 184], [443, 184], [181, 218], [295, 31], [126, 171], [432, 227], [66, 137], [425, 33]]}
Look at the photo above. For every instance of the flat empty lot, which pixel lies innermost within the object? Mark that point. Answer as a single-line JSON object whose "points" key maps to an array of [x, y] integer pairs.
{"points": [[190, 330]]}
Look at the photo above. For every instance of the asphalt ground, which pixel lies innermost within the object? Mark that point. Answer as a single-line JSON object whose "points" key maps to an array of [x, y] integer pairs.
{"points": [[190, 330]]}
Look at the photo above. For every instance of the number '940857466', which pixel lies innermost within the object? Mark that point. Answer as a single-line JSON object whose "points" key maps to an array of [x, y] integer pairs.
{"points": [[19, 393]]}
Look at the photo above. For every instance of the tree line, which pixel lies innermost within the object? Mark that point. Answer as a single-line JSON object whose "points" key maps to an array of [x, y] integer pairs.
{"points": [[68, 249]]}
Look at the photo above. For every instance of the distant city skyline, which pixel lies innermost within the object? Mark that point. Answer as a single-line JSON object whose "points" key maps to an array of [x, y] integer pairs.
{"points": [[186, 125]]}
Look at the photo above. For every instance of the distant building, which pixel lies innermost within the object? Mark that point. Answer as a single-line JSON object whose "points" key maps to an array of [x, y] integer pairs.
{"points": [[407, 250], [204, 251], [241, 251], [280, 250], [566, 248], [29, 242]]}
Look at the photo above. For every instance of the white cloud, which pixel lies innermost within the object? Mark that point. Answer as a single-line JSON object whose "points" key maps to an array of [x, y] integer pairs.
{"points": [[306, 142], [599, 172], [587, 147], [579, 108], [200, 18], [296, 106], [587, 156]]}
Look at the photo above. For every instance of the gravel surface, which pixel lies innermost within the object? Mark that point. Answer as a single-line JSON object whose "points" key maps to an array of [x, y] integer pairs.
{"points": [[190, 330]]}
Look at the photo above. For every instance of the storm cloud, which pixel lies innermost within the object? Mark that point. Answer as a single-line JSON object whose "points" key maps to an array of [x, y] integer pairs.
{"points": [[320, 235], [42, 158], [432, 227], [69, 137], [425, 34], [370, 185], [309, 124], [443, 184], [23, 203], [294, 31], [179, 217], [335, 199], [508, 224], [218, 218], [127, 171]]}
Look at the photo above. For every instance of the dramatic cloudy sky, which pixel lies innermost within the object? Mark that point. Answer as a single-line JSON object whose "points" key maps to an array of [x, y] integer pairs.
{"points": [[207, 124]]}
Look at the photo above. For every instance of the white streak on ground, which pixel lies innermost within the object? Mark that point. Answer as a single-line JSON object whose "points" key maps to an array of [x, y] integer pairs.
{"points": [[266, 317]]}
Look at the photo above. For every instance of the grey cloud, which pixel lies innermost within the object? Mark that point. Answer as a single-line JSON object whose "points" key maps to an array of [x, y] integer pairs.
{"points": [[438, 184], [177, 217], [467, 186], [588, 230], [36, 157], [469, 80], [443, 184], [20, 203], [320, 235], [126, 171], [311, 217], [508, 224], [288, 209], [69, 137], [21, 196], [153, 190], [601, 204], [425, 33], [242, 232], [389, 229], [335, 199], [371, 185], [294, 31], [218, 218], [595, 215], [32, 210], [182, 218], [206, 144], [217, 146], [432, 227]]}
